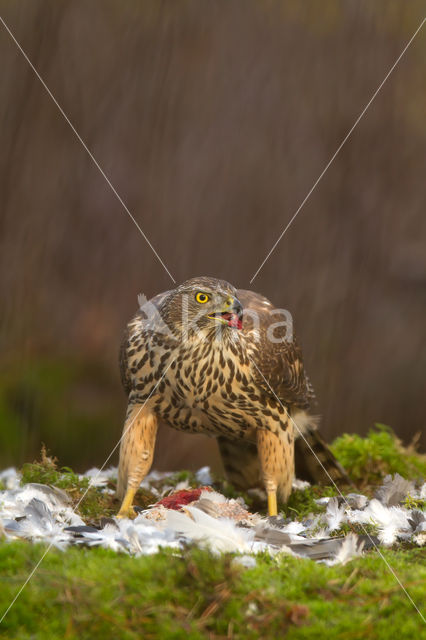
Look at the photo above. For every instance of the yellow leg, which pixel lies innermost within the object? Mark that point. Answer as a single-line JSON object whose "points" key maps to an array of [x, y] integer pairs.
{"points": [[126, 509], [136, 454], [272, 504], [276, 457]]}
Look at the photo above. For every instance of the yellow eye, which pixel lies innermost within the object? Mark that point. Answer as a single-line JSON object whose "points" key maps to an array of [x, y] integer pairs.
{"points": [[201, 297]]}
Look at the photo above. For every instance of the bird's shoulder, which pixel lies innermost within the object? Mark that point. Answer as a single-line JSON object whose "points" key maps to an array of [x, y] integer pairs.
{"points": [[145, 330], [276, 355]]}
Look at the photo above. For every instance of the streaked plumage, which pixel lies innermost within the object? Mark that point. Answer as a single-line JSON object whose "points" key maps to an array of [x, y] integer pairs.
{"points": [[222, 375]]}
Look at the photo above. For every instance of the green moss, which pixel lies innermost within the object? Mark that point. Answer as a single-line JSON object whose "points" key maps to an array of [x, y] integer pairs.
{"points": [[302, 501], [91, 502], [94, 593], [414, 503], [369, 459], [360, 529], [63, 478]]}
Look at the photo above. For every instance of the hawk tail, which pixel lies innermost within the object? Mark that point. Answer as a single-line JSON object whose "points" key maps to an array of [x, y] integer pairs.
{"points": [[314, 460]]}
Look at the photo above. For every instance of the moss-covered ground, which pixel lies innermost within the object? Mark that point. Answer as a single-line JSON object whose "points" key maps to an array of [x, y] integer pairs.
{"points": [[94, 593]]}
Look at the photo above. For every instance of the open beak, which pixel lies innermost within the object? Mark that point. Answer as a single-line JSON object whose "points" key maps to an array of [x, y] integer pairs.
{"points": [[232, 314]]}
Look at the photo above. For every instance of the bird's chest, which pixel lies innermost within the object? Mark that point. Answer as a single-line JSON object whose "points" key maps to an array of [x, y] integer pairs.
{"points": [[200, 389], [211, 391]]}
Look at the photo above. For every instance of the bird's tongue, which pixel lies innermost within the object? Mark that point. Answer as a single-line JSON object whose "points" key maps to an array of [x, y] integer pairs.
{"points": [[233, 320]]}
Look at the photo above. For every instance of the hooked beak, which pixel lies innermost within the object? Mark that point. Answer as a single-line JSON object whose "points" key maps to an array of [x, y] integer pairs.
{"points": [[232, 314]]}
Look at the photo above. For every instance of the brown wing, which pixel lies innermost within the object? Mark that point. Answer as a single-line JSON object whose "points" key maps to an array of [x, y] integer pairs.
{"points": [[276, 353], [123, 360]]}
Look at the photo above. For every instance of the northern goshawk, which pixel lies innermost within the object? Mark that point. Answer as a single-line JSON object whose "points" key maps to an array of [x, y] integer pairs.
{"points": [[207, 358]]}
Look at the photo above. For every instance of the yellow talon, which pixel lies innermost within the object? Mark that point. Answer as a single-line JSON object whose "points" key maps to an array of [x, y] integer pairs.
{"points": [[126, 509], [272, 504]]}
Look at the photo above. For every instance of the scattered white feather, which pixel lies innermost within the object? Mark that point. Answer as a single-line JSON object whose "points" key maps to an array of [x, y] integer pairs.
{"points": [[334, 515], [109, 538], [300, 484], [323, 501], [394, 490], [203, 476], [294, 527], [350, 548], [391, 521], [37, 525], [13, 502], [356, 500], [213, 496], [43, 513], [10, 478], [99, 478], [217, 535], [184, 484], [419, 536], [148, 539], [153, 476]]}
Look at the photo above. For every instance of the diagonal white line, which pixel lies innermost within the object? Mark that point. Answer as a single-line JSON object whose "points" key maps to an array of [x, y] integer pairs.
{"points": [[343, 497], [92, 480], [256, 273], [26, 582], [339, 148], [90, 154]]}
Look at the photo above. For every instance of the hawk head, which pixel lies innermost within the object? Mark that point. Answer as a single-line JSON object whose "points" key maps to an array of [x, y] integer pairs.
{"points": [[202, 304]]}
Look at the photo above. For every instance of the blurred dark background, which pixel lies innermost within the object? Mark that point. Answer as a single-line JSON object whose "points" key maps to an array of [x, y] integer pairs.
{"points": [[212, 120]]}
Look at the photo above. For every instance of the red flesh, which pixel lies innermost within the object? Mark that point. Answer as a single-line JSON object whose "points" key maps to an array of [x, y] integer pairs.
{"points": [[233, 320], [181, 498]]}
